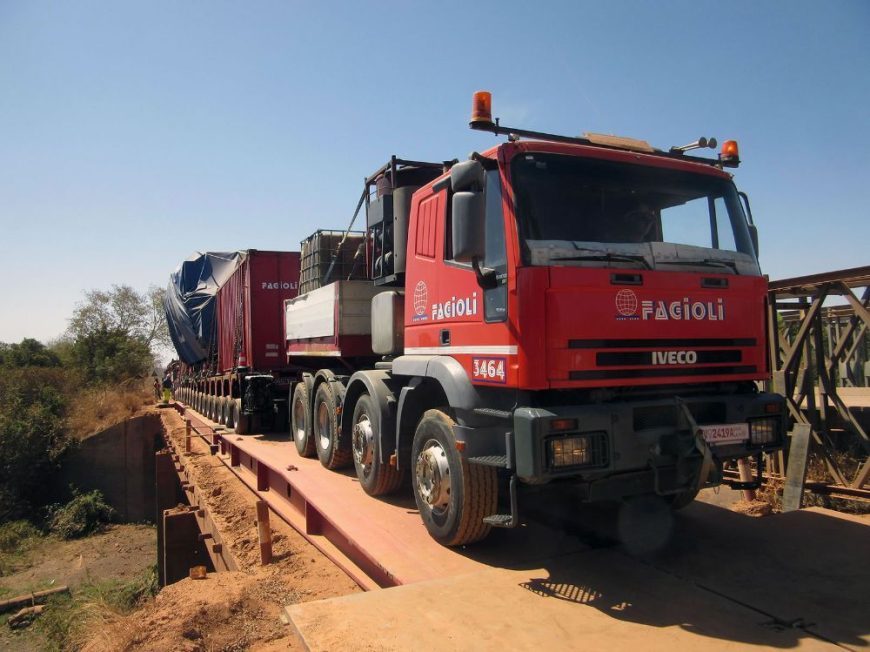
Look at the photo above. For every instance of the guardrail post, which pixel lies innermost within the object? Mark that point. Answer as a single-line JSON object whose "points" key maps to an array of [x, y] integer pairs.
{"points": [[264, 531]]}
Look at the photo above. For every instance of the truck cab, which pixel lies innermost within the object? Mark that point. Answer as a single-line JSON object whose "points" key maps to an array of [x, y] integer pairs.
{"points": [[590, 312], [579, 315]]}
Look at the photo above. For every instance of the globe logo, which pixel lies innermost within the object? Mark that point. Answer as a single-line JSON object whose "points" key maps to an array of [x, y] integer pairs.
{"points": [[626, 303], [421, 298]]}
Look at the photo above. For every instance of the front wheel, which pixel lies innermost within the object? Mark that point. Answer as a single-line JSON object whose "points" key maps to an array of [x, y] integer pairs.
{"points": [[452, 495], [377, 478], [682, 499]]}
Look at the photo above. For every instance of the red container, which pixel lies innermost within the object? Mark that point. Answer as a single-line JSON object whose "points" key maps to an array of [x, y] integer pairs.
{"points": [[250, 307]]}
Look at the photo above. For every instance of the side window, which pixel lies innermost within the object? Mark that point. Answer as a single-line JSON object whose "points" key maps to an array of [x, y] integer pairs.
{"points": [[495, 251], [495, 256], [424, 244]]}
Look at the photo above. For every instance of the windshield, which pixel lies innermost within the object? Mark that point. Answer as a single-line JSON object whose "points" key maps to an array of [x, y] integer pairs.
{"points": [[613, 212]]}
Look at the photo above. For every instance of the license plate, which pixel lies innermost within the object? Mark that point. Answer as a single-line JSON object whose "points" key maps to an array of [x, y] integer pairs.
{"points": [[725, 433]]}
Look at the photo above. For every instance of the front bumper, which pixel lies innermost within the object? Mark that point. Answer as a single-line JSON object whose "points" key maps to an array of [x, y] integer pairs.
{"points": [[628, 437]]}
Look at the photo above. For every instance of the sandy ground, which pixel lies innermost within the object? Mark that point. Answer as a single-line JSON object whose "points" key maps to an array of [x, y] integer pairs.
{"points": [[229, 611]]}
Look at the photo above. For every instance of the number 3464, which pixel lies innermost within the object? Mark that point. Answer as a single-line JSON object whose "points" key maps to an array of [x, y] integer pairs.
{"points": [[488, 369]]}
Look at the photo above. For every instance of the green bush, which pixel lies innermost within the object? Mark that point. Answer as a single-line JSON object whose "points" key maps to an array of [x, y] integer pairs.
{"points": [[32, 435], [85, 514], [14, 535], [16, 540]]}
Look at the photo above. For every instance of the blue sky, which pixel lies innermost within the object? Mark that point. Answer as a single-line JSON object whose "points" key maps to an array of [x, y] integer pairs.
{"points": [[132, 134]]}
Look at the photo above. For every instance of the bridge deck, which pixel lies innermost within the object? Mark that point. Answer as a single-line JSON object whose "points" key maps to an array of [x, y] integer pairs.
{"points": [[723, 580]]}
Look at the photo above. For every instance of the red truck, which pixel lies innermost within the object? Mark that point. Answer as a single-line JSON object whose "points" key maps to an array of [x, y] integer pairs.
{"points": [[582, 315]]}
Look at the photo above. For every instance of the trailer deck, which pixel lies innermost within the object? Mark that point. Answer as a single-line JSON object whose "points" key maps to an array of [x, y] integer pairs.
{"points": [[725, 581]]}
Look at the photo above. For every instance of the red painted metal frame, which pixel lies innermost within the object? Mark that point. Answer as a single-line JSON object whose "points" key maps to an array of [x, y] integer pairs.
{"points": [[277, 488]]}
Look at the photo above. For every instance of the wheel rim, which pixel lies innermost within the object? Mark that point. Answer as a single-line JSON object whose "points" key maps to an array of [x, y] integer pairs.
{"points": [[432, 475], [323, 424], [363, 443], [299, 421]]}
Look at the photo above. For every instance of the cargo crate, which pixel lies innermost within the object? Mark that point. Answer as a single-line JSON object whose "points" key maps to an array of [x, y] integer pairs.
{"points": [[318, 251]]}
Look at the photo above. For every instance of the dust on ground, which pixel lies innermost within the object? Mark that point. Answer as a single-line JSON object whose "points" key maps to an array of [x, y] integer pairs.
{"points": [[228, 611]]}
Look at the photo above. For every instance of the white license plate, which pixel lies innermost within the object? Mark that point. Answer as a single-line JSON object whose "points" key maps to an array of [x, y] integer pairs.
{"points": [[725, 433]]}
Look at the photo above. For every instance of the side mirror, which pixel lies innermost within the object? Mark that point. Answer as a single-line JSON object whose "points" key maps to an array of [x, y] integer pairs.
{"points": [[753, 230], [468, 175], [468, 226], [753, 235]]}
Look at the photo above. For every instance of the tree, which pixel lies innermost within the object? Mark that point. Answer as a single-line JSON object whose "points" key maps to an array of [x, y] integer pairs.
{"points": [[32, 437], [115, 334], [111, 356], [29, 353], [122, 309]]}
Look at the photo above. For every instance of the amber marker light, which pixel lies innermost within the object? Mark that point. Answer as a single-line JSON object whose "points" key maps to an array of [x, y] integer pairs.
{"points": [[481, 108], [772, 408], [560, 425]]}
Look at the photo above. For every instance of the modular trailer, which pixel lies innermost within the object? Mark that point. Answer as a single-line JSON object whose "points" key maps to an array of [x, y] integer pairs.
{"points": [[243, 380], [578, 315]]}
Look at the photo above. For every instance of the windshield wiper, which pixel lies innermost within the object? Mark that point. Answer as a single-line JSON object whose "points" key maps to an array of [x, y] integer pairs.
{"points": [[606, 257], [706, 262]]}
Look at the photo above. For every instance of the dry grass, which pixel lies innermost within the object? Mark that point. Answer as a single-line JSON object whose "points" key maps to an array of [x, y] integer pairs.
{"points": [[96, 409]]}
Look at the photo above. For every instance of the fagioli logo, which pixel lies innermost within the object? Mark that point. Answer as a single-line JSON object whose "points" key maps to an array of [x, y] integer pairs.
{"points": [[684, 309], [279, 285]]}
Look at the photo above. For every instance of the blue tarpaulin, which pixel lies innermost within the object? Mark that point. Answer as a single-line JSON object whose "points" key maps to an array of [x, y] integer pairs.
{"points": [[190, 302]]}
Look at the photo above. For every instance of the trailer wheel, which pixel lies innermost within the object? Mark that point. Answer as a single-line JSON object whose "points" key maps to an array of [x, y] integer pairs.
{"points": [[300, 421], [243, 421], [452, 495], [376, 477], [231, 412], [222, 410], [326, 431]]}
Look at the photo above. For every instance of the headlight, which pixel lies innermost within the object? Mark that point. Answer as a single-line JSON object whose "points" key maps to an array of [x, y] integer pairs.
{"points": [[577, 450], [764, 431]]}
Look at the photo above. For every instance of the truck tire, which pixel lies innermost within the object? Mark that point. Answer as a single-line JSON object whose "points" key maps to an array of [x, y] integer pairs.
{"points": [[452, 495], [300, 421], [377, 478], [231, 412], [327, 435], [222, 410], [682, 499], [243, 421]]}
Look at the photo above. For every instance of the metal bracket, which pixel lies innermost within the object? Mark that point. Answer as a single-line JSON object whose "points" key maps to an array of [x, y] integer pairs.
{"points": [[507, 520], [700, 444]]}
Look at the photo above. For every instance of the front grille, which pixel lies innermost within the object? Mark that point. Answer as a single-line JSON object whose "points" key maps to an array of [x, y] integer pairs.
{"points": [[614, 374], [653, 343], [646, 358]]}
